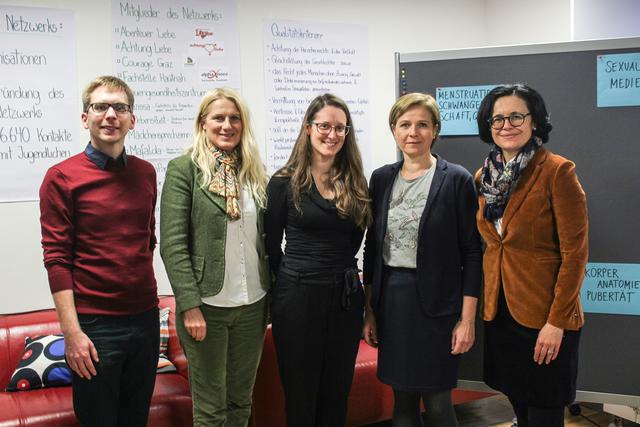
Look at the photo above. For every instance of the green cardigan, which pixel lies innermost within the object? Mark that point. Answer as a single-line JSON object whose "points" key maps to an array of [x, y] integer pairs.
{"points": [[193, 231]]}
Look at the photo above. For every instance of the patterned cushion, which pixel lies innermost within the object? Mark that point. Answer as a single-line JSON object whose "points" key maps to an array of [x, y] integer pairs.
{"points": [[164, 364], [43, 363]]}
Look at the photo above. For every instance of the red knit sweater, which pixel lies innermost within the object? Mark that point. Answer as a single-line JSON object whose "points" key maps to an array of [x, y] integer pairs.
{"points": [[98, 234]]}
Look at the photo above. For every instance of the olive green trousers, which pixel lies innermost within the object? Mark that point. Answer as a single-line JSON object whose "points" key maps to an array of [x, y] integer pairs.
{"points": [[222, 367]]}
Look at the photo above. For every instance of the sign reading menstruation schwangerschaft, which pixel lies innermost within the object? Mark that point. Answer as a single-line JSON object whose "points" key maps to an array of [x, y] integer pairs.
{"points": [[459, 108]]}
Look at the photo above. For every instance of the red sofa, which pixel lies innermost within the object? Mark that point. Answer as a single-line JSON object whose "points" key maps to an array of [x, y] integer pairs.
{"points": [[369, 402], [52, 407]]}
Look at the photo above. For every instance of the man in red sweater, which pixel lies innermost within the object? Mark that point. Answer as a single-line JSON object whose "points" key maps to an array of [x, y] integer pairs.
{"points": [[98, 236]]}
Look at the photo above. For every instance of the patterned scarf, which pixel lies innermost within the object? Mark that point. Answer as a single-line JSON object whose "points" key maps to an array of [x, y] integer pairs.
{"points": [[500, 180], [225, 180]]}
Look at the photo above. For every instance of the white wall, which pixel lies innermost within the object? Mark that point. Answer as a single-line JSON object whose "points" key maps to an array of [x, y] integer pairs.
{"points": [[401, 25], [526, 22], [598, 19]]}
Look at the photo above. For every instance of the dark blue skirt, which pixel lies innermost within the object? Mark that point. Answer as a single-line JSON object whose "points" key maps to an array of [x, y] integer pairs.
{"points": [[414, 352]]}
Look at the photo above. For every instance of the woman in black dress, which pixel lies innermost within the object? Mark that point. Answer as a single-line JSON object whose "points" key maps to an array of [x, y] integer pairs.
{"points": [[319, 199], [422, 268]]}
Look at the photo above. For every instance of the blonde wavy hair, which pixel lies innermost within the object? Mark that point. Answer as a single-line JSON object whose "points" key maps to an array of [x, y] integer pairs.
{"points": [[346, 177], [251, 171]]}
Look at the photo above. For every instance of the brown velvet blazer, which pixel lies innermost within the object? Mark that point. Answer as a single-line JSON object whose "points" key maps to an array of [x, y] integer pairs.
{"points": [[541, 258]]}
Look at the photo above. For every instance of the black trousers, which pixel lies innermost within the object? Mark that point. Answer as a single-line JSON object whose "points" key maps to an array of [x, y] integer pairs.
{"points": [[120, 394], [531, 416], [316, 336]]}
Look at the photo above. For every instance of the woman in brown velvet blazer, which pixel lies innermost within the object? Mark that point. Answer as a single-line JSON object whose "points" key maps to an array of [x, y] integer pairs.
{"points": [[533, 219]]}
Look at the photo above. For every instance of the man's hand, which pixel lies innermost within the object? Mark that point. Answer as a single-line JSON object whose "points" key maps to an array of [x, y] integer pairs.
{"points": [[78, 348], [81, 354]]}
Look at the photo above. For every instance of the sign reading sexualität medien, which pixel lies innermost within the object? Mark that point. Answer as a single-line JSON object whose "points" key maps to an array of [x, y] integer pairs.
{"points": [[611, 288], [459, 108], [618, 80], [39, 123]]}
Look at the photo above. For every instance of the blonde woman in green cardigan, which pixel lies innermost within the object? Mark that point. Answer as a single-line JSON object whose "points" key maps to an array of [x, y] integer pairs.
{"points": [[211, 244]]}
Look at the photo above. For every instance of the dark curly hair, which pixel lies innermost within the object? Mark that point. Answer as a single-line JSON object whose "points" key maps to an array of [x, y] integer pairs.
{"points": [[535, 103]]}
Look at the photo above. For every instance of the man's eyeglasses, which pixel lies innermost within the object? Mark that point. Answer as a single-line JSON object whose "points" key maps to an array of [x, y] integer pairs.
{"points": [[516, 120], [325, 129], [103, 107]]}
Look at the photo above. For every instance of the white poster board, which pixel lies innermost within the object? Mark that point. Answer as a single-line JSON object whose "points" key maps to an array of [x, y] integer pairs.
{"points": [[303, 60], [38, 97], [171, 53]]}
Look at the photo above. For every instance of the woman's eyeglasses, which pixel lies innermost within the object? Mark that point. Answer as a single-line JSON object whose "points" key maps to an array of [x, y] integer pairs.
{"points": [[325, 129], [516, 120]]}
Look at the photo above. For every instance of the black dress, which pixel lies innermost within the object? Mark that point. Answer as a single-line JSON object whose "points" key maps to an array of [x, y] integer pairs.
{"points": [[316, 316]]}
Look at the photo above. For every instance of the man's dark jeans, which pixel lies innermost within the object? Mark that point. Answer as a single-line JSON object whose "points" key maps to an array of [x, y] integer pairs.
{"points": [[127, 347]]}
